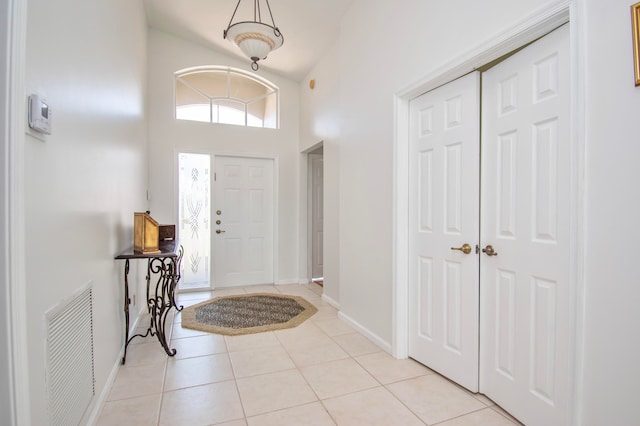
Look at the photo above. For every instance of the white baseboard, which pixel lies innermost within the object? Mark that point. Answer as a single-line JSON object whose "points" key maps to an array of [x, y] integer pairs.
{"points": [[98, 404], [384, 345], [330, 301], [289, 281]]}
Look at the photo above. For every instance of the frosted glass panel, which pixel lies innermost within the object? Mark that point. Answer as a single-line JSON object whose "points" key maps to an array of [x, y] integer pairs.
{"points": [[194, 178]]}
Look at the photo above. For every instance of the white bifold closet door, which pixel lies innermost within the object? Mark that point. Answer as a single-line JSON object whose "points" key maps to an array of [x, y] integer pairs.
{"points": [[526, 210], [444, 205], [494, 315]]}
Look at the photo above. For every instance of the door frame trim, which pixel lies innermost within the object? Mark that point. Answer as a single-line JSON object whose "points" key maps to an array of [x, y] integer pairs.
{"points": [[529, 29], [13, 205], [304, 237]]}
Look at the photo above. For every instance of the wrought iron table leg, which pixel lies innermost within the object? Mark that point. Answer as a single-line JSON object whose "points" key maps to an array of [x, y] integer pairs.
{"points": [[176, 264], [163, 300], [126, 310]]}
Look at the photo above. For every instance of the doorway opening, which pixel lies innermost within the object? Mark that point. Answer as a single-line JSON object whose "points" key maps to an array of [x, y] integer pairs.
{"points": [[316, 216]]}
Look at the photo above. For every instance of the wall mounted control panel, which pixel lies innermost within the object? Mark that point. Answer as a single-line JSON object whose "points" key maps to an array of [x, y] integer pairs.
{"points": [[39, 114]]}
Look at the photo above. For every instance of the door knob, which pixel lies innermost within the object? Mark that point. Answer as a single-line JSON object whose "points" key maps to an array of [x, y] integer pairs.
{"points": [[218, 231], [466, 248], [489, 250]]}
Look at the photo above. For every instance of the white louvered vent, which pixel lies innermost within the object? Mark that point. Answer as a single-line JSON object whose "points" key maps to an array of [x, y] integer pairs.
{"points": [[70, 370]]}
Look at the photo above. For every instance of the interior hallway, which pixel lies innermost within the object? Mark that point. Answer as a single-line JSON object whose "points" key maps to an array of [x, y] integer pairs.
{"points": [[322, 372]]}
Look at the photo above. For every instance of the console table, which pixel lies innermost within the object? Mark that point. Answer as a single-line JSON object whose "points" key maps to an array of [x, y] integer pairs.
{"points": [[165, 268]]}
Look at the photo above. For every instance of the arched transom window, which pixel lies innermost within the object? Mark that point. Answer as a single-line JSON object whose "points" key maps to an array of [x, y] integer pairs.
{"points": [[226, 95]]}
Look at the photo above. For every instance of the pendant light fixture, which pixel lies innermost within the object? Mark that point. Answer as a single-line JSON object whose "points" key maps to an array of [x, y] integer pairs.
{"points": [[255, 38]]}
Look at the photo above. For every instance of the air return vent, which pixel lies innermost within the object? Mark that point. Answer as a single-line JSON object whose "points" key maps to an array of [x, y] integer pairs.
{"points": [[70, 374]]}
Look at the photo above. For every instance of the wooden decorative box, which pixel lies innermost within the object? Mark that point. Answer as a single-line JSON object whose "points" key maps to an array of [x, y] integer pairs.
{"points": [[167, 232], [145, 233]]}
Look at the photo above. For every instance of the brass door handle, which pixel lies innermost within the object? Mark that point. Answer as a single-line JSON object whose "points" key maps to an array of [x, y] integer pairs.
{"points": [[219, 231], [466, 248], [489, 251]]}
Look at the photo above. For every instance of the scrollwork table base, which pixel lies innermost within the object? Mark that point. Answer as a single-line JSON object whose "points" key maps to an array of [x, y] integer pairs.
{"points": [[164, 269]]}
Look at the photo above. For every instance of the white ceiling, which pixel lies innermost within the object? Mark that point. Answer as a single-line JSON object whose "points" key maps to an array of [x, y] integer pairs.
{"points": [[309, 27]]}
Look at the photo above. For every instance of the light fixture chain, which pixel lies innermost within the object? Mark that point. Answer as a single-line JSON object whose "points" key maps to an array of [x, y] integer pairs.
{"points": [[272, 21], [232, 16]]}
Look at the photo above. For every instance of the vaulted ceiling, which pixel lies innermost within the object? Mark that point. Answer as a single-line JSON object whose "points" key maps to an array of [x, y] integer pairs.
{"points": [[309, 27]]}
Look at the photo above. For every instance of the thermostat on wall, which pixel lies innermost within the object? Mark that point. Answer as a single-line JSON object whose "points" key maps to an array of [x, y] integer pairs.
{"points": [[39, 114]]}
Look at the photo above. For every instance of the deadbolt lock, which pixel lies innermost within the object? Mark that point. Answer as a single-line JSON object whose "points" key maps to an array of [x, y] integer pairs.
{"points": [[218, 212], [218, 222]]}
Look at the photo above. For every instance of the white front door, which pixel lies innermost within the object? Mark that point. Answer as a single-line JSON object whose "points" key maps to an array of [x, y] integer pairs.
{"points": [[444, 208], [243, 217], [526, 210]]}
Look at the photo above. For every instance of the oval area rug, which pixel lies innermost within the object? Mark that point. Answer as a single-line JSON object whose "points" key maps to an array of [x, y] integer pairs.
{"points": [[247, 313]]}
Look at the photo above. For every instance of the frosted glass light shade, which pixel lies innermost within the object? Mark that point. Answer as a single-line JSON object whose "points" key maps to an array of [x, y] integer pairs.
{"points": [[255, 39]]}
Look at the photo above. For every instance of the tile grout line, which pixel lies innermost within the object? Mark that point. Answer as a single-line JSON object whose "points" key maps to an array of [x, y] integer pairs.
{"points": [[471, 412], [235, 380], [164, 377], [299, 369], [394, 396]]}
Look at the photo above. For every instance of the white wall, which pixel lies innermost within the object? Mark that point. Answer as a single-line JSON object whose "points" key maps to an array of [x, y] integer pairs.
{"points": [[320, 121], [380, 56], [83, 183], [167, 137], [612, 277]]}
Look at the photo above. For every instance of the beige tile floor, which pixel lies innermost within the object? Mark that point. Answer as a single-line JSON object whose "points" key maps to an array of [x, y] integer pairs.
{"points": [[322, 372]]}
